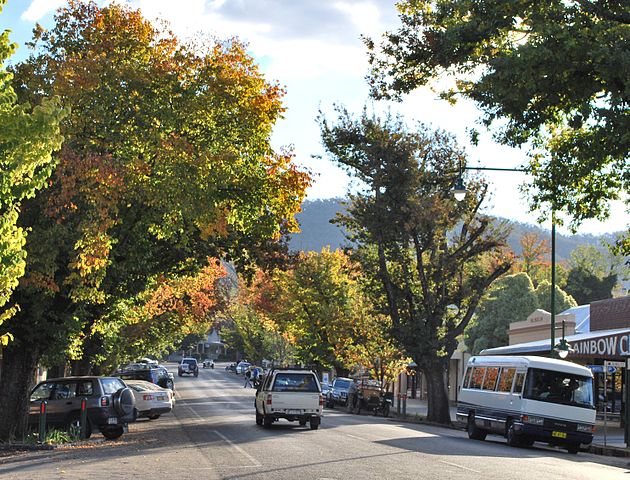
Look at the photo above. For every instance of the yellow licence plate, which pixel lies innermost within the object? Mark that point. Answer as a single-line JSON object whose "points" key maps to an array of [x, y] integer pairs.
{"points": [[559, 434]]}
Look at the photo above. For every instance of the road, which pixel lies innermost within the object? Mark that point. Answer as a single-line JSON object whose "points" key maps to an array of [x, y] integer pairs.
{"points": [[212, 435]]}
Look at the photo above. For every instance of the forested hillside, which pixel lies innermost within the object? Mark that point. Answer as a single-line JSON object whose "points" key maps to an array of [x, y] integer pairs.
{"points": [[318, 231]]}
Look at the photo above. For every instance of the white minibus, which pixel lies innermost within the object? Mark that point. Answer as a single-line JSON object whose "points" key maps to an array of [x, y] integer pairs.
{"points": [[528, 399]]}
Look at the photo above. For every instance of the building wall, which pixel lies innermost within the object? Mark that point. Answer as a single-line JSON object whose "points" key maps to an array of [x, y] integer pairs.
{"points": [[538, 327], [610, 314]]}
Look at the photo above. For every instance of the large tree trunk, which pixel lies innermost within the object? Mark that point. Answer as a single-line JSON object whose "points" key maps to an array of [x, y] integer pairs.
{"points": [[18, 374], [437, 393]]}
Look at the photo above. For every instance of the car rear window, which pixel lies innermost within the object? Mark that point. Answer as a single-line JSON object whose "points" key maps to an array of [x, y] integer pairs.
{"points": [[295, 382], [342, 383], [111, 385], [190, 361]]}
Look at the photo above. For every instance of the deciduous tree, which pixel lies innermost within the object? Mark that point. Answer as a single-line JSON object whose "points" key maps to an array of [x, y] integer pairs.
{"points": [[550, 75], [431, 252], [166, 161], [29, 136]]}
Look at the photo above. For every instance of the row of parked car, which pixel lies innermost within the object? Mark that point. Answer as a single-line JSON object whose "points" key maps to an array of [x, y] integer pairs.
{"points": [[144, 389]]}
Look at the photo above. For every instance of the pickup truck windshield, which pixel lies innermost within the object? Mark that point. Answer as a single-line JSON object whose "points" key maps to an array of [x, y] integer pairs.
{"points": [[559, 387], [295, 382]]}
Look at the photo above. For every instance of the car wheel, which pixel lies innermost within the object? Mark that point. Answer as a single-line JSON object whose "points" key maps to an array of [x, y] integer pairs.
{"points": [[513, 439], [573, 448], [112, 433], [259, 419], [474, 432], [314, 424], [154, 417], [302, 423], [267, 421]]}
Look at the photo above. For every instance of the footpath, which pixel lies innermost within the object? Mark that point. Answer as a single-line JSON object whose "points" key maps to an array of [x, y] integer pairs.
{"points": [[607, 441]]}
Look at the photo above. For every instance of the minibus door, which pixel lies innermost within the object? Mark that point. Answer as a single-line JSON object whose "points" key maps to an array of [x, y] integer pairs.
{"points": [[516, 397]]}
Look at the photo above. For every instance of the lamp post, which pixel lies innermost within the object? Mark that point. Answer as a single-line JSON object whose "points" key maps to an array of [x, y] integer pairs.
{"points": [[459, 192]]}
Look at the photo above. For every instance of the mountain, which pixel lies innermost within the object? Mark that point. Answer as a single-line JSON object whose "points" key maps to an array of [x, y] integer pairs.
{"points": [[317, 231]]}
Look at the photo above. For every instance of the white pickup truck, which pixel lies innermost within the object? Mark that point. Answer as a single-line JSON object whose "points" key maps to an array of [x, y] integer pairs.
{"points": [[292, 394]]}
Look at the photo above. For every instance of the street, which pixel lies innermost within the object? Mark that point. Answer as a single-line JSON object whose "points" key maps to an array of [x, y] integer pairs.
{"points": [[211, 434]]}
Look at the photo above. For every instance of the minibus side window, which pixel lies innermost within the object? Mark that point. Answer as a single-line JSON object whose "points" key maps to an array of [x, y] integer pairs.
{"points": [[490, 381], [466, 377], [476, 378], [506, 379], [518, 383]]}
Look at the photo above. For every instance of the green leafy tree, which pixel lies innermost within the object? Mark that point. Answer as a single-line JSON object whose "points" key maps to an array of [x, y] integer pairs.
{"points": [[550, 75], [563, 301], [166, 162], [431, 251], [591, 276], [29, 136], [510, 299], [317, 297]]}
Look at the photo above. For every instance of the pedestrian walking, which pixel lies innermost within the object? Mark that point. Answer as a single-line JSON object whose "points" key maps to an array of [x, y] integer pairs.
{"points": [[248, 377]]}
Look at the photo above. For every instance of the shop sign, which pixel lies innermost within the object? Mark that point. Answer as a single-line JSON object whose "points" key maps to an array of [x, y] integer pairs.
{"points": [[612, 346]]}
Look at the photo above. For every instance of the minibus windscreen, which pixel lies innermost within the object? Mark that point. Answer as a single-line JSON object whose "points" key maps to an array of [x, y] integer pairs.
{"points": [[559, 387]]}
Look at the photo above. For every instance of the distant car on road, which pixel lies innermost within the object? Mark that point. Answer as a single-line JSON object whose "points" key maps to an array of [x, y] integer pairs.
{"points": [[151, 399], [242, 367], [153, 373], [188, 366], [208, 363], [338, 392], [110, 404]]}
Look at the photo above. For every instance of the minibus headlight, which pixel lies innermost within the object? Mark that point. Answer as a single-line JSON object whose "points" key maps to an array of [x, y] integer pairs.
{"points": [[533, 420], [585, 427]]}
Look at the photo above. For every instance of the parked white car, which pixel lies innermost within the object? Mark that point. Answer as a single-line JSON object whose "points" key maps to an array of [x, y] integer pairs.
{"points": [[151, 399]]}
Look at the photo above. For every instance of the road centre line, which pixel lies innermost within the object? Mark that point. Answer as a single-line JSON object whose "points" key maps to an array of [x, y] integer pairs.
{"points": [[255, 463], [459, 466]]}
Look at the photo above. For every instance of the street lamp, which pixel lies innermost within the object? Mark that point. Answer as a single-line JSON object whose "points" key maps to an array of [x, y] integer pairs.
{"points": [[459, 192]]}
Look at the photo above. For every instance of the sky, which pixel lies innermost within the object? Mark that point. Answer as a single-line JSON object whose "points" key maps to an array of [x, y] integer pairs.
{"points": [[314, 49]]}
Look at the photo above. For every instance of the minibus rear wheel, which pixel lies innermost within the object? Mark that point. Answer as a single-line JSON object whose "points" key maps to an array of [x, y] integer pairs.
{"points": [[474, 432]]}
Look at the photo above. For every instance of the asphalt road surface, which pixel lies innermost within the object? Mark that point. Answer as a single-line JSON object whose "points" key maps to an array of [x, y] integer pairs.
{"points": [[212, 434]]}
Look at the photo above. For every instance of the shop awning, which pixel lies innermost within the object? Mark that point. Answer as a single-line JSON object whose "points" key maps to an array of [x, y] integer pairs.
{"points": [[602, 343]]}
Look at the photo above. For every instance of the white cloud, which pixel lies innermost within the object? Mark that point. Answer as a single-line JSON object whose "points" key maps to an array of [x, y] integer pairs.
{"points": [[40, 8]]}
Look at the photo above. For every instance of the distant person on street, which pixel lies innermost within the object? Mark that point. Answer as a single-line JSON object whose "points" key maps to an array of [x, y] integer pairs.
{"points": [[248, 377]]}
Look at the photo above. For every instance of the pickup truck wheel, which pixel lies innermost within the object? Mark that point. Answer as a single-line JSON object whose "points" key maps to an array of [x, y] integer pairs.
{"points": [[259, 419], [267, 421], [302, 423], [314, 424]]}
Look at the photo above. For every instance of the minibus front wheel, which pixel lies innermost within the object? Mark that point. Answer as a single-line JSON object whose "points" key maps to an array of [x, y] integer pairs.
{"points": [[474, 432]]}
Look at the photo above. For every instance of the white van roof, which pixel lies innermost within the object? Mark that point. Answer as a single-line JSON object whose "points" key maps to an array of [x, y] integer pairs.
{"points": [[530, 361]]}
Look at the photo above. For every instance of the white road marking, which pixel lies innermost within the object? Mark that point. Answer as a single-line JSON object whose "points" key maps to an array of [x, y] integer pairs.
{"points": [[255, 463], [354, 436], [459, 466]]}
